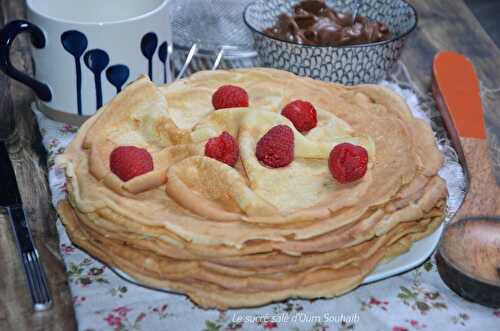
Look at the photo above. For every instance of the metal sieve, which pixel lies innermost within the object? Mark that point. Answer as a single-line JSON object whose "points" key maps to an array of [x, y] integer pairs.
{"points": [[217, 30]]}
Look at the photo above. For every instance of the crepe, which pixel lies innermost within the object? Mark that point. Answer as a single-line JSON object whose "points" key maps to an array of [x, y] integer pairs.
{"points": [[219, 233]]}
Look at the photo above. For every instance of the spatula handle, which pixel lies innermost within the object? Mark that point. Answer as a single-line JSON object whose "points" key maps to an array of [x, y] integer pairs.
{"points": [[456, 89]]}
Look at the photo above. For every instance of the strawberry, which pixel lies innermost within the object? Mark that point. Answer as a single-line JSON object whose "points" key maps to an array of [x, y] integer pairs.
{"points": [[223, 148], [348, 162], [275, 148], [302, 114], [229, 96], [128, 162]]}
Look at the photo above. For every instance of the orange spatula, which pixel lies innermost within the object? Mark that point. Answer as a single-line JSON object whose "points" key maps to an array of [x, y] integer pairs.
{"points": [[469, 253]]}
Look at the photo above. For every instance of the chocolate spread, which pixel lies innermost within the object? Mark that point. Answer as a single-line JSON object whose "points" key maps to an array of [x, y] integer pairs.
{"points": [[314, 23]]}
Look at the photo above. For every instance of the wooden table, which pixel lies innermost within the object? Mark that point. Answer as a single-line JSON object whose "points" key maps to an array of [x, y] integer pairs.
{"points": [[438, 30]]}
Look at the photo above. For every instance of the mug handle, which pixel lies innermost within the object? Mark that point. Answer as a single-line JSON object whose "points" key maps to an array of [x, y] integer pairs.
{"points": [[7, 36]]}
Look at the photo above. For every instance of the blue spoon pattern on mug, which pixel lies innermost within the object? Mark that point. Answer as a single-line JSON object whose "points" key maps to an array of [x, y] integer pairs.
{"points": [[75, 43], [97, 60], [118, 75], [149, 43], [163, 56]]}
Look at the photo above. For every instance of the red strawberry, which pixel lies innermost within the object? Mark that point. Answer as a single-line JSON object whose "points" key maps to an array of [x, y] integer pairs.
{"points": [[348, 162], [223, 148], [229, 96], [302, 114], [128, 162], [275, 148]]}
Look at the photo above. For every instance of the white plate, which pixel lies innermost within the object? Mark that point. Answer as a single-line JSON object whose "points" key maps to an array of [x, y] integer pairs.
{"points": [[419, 252]]}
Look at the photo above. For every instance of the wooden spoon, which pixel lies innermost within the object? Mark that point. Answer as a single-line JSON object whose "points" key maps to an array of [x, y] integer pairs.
{"points": [[468, 257]]}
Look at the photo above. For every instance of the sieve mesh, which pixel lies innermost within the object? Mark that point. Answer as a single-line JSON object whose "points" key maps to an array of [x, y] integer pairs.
{"points": [[211, 24]]}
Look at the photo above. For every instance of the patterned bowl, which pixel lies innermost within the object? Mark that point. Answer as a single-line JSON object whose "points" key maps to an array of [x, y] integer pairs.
{"points": [[356, 64]]}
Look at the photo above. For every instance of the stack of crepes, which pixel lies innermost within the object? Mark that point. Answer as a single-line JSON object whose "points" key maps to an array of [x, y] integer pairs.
{"points": [[248, 235]]}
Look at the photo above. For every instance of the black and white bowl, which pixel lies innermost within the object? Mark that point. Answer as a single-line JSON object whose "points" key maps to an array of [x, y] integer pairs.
{"points": [[356, 64]]}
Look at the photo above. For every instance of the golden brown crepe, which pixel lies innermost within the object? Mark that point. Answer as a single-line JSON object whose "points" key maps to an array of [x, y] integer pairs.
{"points": [[249, 235]]}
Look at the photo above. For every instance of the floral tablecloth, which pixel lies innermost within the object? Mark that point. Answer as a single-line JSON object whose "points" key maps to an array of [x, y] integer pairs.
{"points": [[416, 300]]}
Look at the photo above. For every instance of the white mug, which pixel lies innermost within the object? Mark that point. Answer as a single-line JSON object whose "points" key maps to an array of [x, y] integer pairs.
{"points": [[85, 51]]}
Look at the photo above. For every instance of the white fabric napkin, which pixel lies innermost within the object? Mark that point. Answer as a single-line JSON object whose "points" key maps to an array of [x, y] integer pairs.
{"points": [[416, 300]]}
